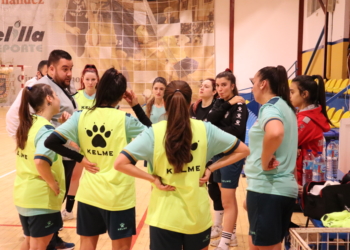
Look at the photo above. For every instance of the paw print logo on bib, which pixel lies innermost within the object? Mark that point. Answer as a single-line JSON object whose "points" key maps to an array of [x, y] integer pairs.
{"points": [[194, 146], [98, 136]]}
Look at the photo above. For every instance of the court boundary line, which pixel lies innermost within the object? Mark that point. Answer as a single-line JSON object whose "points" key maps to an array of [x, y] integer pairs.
{"points": [[139, 229], [8, 173]]}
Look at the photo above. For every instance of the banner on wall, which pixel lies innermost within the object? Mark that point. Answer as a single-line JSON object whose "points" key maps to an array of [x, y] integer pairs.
{"points": [[144, 40]]}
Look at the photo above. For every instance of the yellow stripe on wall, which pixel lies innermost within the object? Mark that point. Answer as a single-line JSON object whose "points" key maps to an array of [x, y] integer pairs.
{"points": [[339, 61], [336, 65]]}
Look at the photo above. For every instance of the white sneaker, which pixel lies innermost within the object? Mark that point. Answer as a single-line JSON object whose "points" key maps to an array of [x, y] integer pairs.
{"points": [[216, 231], [215, 243], [67, 215]]}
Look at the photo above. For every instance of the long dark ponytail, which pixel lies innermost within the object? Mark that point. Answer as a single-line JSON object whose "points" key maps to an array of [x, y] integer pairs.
{"points": [[35, 97], [316, 88], [278, 80], [150, 103], [178, 136]]}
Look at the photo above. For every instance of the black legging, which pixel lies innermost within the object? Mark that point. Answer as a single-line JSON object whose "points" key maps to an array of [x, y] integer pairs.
{"points": [[68, 171], [215, 194]]}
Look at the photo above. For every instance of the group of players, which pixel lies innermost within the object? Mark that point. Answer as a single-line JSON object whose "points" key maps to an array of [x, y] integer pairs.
{"points": [[186, 146]]}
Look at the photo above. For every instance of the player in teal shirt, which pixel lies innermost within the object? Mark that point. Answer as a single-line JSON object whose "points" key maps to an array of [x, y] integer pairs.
{"points": [[170, 149], [154, 108], [279, 181], [273, 143]]}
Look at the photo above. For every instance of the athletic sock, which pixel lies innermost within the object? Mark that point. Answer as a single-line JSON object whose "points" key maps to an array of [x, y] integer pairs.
{"points": [[225, 240], [70, 203], [219, 215]]}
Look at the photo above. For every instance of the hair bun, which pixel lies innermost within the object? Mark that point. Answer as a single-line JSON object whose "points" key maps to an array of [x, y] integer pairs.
{"points": [[90, 66], [228, 70]]}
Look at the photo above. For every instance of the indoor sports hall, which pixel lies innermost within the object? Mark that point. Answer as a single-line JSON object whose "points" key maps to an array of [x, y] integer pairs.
{"points": [[127, 91]]}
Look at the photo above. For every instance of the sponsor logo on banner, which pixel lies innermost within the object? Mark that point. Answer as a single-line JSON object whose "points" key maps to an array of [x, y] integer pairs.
{"points": [[26, 36]]}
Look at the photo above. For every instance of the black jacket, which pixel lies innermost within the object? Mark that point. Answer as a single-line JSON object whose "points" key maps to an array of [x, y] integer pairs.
{"points": [[201, 113], [230, 118]]}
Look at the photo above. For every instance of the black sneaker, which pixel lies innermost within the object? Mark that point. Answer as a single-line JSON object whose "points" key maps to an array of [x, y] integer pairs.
{"points": [[61, 245]]}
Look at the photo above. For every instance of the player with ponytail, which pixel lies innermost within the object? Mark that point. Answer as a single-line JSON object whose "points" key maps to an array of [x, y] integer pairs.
{"points": [[272, 188], [40, 184], [309, 97], [177, 151], [106, 198]]}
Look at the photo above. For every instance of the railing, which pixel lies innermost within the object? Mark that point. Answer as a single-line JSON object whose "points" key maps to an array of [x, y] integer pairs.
{"points": [[295, 65], [314, 52], [337, 95]]}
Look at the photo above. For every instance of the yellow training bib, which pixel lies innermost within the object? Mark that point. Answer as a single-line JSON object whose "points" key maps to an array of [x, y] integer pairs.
{"points": [[30, 190], [83, 101], [102, 137], [186, 210]]}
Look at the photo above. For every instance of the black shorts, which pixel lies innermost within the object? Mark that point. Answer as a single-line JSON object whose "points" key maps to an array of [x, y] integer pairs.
{"points": [[93, 221], [228, 176], [269, 217], [41, 225], [161, 239]]}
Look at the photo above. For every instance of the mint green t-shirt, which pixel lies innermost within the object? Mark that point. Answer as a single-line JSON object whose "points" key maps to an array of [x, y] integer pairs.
{"points": [[157, 114], [279, 181], [218, 141]]}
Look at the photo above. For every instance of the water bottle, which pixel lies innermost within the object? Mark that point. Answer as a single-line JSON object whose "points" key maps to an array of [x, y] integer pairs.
{"points": [[332, 161], [324, 147], [318, 173], [308, 164]]}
